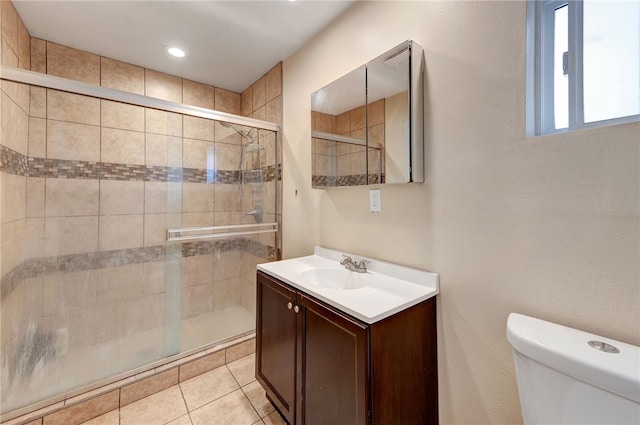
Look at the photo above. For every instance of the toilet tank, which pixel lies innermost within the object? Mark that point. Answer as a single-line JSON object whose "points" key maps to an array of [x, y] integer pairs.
{"points": [[562, 379]]}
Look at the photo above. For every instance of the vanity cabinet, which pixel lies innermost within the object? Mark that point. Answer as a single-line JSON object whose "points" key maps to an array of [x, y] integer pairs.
{"points": [[319, 365]]}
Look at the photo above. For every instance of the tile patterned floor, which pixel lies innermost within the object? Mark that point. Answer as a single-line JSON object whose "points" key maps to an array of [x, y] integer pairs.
{"points": [[228, 395]]}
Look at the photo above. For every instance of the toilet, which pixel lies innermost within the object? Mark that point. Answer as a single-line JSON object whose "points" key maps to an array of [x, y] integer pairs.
{"points": [[567, 376]]}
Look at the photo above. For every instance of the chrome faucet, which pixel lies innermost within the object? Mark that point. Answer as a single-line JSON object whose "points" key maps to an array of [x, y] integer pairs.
{"points": [[354, 266]]}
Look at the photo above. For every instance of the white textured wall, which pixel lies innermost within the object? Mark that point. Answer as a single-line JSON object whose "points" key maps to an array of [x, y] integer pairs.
{"points": [[547, 226]]}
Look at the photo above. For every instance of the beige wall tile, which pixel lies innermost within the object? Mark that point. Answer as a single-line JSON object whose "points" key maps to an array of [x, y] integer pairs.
{"points": [[273, 82], [197, 270], [156, 121], [121, 232], [15, 136], [122, 116], [198, 154], [71, 197], [226, 198], [161, 197], [358, 118], [227, 101], [174, 151], [156, 225], [72, 63], [72, 107], [376, 135], [122, 146], [174, 124], [19, 93], [246, 102], [156, 149], [273, 111], [142, 314], [72, 141], [120, 283], [35, 197], [259, 95], [38, 55], [198, 128], [227, 156], [226, 293], [227, 135], [34, 238], [197, 197], [358, 162], [70, 235], [12, 244], [260, 113], [148, 386], [375, 113], [196, 300], [10, 25], [197, 94], [163, 86], [69, 291], [202, 365], [226, 265], [24, 46], [8, 56], [13, 190], [121, 197], [241, 350], [37, 137], [121, 76], [197, 219], [38, 102], [85, 411], [343, 123], [153, 277]]}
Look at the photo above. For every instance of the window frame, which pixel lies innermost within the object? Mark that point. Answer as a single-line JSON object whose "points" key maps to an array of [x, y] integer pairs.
{"points": [[540, 60]]}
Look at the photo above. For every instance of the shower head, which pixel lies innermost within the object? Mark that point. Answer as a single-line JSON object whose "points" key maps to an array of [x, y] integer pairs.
{"points": [[245, 134]]}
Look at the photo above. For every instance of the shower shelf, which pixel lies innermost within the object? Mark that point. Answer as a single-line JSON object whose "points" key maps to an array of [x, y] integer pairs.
{"points": [[182, 234]]}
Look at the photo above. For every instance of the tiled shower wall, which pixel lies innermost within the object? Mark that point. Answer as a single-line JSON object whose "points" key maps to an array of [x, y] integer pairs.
{"points": [[84, 180]]}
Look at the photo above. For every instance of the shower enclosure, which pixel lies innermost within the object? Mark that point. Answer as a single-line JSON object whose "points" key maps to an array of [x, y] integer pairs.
{"points": [[131, 228]]}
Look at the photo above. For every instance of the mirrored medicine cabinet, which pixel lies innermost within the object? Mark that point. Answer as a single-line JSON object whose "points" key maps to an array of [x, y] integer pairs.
{"points": [[367, 126]]}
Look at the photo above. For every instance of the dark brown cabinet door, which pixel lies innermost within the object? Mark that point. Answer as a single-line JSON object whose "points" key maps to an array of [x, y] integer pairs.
{"points": [[335, 364], [276, 339]]}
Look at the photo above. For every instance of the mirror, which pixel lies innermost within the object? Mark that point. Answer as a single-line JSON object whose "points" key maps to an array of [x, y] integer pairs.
{"points": [[367, 126], [338, 119]]}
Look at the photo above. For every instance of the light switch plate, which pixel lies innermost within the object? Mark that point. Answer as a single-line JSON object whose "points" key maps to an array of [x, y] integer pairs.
{"points": [[375, 200]]}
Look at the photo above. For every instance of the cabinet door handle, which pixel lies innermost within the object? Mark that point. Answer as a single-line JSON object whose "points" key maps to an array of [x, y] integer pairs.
{"points": [[289, 305], [296, 309]]}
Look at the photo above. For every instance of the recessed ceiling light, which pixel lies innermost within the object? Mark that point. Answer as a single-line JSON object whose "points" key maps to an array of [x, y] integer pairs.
{"points": [[174, 51]]}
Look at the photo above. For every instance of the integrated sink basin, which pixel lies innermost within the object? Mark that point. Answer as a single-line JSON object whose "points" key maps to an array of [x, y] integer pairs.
{"points": [[334, 278], [385, 289]]}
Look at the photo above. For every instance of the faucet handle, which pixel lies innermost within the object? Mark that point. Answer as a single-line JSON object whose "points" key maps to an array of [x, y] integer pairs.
{"points": [[362, 264], [345, 259]]}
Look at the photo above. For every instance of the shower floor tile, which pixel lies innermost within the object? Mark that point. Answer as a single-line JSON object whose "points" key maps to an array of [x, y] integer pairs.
{"points": [[228, 395]]}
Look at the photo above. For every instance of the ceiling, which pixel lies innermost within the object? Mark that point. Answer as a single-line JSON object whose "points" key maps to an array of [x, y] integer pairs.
{"points": [[229, 44]]}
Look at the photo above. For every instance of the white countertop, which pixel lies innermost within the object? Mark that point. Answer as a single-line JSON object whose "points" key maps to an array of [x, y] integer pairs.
{"points": [[384, 290]]}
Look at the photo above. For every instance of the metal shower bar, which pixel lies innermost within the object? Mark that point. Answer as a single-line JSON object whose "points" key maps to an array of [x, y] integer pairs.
{"points": [[72, 86], [181, 234]]}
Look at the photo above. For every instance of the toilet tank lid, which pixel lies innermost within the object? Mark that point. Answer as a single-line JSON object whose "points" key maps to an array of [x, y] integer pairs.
{"points": [[567, 350]]}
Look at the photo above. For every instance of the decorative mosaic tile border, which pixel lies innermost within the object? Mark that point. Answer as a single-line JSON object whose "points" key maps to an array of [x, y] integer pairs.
{"points": [[98, 260], [15, 163], [352, 180]]}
